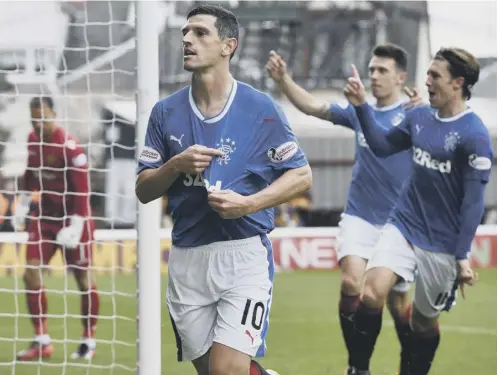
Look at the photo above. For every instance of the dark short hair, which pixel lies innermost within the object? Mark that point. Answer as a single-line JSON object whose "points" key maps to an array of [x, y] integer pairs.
{"points": [[393, 51], [40, 101], [226, 22], [461, 63]]}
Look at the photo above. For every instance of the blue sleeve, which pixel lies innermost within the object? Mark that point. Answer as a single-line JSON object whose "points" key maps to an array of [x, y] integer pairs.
{"points": [[471, 213], [476, 170], [155, 151], [477, 156], [382, 141], [276, 149], [342, 114]]}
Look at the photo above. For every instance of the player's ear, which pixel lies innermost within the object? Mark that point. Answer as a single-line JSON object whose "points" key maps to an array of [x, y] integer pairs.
{"points": [[229, 46], [401, 78], [458, 83]]}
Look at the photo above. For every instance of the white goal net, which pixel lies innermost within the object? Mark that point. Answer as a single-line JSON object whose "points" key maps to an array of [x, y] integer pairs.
{"points": [[81, 54]]}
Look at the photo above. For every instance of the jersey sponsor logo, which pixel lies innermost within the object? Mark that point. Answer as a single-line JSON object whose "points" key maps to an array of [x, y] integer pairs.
{"points": [[480, 163], [451, 141], [198, 181], [398, 119], [45, 175], [79, 160], [227, 146], [362, 142], [149, 155], [425, 159], [283, 152]]}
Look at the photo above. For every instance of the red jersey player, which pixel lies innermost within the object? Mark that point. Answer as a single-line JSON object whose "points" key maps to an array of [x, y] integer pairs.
{"points": [[58, 169]]}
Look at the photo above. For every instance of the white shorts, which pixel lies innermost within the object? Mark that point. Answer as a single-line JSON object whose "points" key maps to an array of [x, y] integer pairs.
{"points": [[357, 237], [221, 293], [436, 281]]}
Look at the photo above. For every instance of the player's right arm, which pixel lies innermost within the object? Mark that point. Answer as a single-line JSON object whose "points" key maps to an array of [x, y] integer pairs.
{"points": [[382, 141], [302, 99], [156, 170]]}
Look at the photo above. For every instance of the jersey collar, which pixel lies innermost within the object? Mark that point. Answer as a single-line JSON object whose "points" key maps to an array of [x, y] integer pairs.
{"points": [[456, 117], [388, 107], [222, 114]]}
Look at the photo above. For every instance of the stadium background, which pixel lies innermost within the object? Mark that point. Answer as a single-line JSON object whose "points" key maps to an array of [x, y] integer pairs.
{"points": [[83, 53]]}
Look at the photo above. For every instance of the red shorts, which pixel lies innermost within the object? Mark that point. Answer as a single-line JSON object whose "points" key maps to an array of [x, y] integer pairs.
{"points": [[42, 245]]}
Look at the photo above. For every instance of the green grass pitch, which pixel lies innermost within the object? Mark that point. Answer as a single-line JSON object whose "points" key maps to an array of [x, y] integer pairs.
{"points": [[304, 336]]}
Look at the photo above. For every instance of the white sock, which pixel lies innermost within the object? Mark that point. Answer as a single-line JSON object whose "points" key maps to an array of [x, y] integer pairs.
{"points": [[91, 342], [43, 339]]}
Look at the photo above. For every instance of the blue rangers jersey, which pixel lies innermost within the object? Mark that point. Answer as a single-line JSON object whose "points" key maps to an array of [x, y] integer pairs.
{"points": [[376, 182], [442, 203], [258, 147]]}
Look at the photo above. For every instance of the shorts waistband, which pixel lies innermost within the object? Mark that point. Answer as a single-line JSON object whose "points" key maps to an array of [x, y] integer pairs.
{"points": [[226, 245]]}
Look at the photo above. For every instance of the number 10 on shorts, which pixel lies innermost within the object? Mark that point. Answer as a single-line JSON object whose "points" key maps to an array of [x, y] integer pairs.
{"points": [[257, 312]]}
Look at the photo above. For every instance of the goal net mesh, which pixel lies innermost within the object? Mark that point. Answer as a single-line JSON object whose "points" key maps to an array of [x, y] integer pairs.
{"points": [[83, 55]]}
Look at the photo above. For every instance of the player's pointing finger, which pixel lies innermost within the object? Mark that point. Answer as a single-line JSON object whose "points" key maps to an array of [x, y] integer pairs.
{"points": [[355, 72], [408, 92], [212, 152]]}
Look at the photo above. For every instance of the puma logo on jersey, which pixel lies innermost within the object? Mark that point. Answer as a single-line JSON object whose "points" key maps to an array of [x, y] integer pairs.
{"points": [[362, 142], [173, 138], [425, 159]]}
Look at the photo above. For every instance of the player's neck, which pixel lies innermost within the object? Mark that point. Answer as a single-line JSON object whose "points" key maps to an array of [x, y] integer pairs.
{"points": [[452, 108], [211, 90], [48, 134], [388, 100]]}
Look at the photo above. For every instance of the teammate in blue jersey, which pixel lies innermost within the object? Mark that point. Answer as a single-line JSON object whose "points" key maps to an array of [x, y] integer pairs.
{"points": [[376, 183], [224, 154], [439, 210]]}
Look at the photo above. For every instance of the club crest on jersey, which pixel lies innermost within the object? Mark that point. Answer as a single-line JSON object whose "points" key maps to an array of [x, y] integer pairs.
{"points": [[451, 141], [398, 119], [227, 146], [51, 159], [283, 152]]}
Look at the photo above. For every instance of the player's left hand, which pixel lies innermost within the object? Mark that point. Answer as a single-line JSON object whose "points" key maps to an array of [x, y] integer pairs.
{"points": [[415, 98], [466, 275], [70, 236], [355, 90], [229, 204]]}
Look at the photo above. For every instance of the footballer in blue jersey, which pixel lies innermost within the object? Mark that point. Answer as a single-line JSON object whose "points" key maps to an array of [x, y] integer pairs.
{"points": [[225, 155], [432, 227], [376, 182]]}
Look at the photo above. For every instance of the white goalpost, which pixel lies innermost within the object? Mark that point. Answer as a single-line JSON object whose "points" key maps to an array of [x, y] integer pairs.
{"points": [[148, 267], [128, 280]]}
